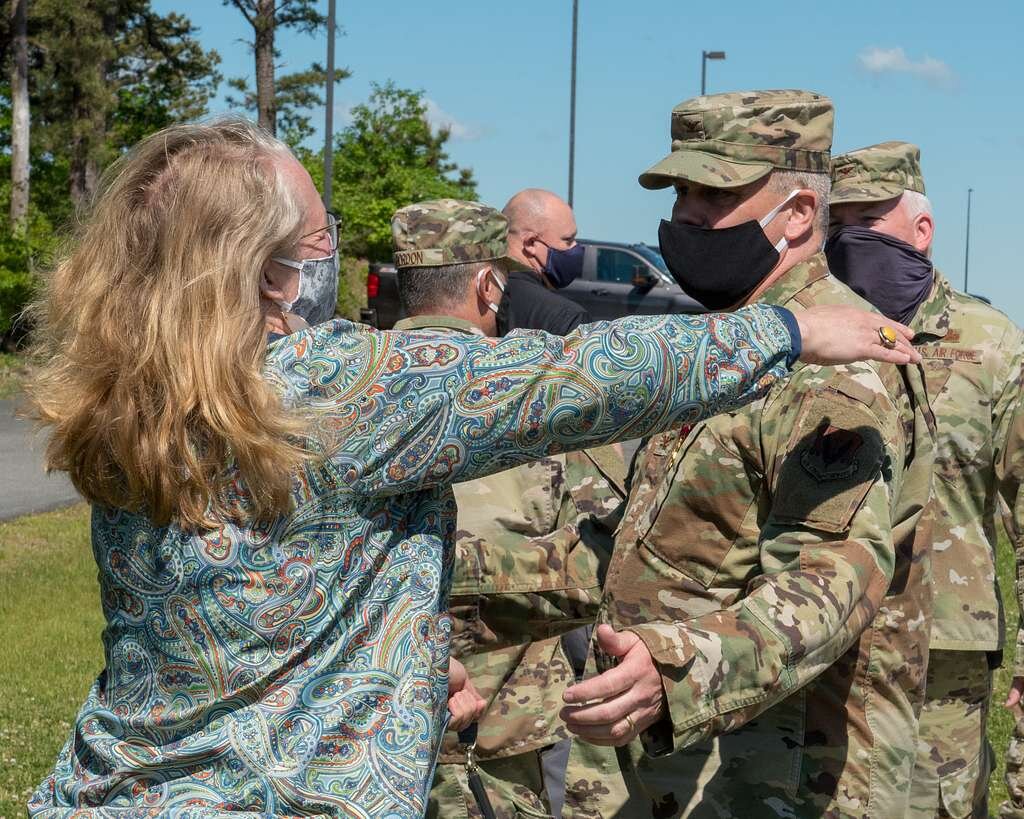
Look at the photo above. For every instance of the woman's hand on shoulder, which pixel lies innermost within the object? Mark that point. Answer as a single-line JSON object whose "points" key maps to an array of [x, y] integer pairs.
{"points": [[841, 334]]}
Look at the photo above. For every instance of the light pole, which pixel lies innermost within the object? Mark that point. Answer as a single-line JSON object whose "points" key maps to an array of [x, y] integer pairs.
{"points": [[329, 114], [704, 57], [572, 101], [967, 244]]}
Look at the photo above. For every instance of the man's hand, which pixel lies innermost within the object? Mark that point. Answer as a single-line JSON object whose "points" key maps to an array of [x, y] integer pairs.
{"points": [[631, 689], [464, 702], [842, 334], [1013, 697]]}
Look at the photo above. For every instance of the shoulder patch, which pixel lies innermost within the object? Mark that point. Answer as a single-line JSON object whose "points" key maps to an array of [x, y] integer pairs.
{"points": [[832, 454], [833, 457]]}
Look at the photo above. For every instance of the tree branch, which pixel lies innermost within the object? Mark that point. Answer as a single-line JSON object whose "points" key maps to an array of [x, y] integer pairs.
{"points": [[246, 8]]}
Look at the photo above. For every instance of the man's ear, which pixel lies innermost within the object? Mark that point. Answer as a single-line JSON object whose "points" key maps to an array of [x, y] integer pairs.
{"points": [[802, 213], [529, 241], [486, 289], [924, 230]]}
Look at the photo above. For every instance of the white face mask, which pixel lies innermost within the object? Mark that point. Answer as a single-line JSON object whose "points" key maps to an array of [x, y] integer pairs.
{"points": [[497, 280], [317, 296], [783, 243]]}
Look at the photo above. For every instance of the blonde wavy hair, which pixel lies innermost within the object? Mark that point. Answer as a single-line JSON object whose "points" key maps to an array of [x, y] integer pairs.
{"points": [[151, 339]]}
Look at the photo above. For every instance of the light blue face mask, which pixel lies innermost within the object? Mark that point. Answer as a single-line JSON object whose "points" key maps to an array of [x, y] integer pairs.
{"points": [[317, 296]]}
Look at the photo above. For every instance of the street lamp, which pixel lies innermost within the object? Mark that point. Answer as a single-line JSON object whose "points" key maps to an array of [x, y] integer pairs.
{"points": [[967, 243], [572, 101], [329, 110], [704, 57]]}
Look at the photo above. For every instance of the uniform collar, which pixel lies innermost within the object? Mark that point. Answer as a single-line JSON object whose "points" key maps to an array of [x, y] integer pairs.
{"points": [[795, 280], [438, 323], [935, 315]]}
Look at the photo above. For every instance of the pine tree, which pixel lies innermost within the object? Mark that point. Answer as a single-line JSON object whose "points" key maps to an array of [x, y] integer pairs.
{"points": [[280, 102]]}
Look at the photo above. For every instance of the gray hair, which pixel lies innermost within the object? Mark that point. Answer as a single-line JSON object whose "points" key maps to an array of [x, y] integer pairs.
{"points": [[439, 288], [784, 182], [914, 204]]}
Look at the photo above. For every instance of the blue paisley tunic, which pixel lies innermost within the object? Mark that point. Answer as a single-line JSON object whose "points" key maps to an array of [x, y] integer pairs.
{"points": [[301, 667]]}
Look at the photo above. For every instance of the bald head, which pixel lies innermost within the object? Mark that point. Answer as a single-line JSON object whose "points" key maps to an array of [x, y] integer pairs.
{"points": [[539, 220], [530, 209]]}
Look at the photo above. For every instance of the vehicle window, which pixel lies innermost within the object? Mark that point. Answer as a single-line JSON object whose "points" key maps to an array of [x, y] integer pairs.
{"points": [[652, 255], [615, 265]]}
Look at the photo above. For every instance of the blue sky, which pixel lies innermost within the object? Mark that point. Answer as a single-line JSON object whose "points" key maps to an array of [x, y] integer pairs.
{"points": [[944, 75]]}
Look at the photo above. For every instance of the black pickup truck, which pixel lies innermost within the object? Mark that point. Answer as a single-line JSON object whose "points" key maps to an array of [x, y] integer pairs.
{"points": [[618, 280]]}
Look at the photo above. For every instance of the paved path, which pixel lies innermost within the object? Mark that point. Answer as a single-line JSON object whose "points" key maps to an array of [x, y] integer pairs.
{"points": [[24, 486]]}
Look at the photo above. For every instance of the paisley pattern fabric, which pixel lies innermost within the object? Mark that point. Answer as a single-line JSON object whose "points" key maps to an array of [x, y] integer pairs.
{"points": [[300, 667]]}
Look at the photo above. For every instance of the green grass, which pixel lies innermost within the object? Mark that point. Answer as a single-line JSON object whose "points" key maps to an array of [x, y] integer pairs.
{"points": [[12, 372], [1000, 721], [50, 624]]}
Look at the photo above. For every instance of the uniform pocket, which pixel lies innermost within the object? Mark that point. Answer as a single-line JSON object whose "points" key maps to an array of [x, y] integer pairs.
{"points": [[832, 459], [707, 504], [959, 789]]}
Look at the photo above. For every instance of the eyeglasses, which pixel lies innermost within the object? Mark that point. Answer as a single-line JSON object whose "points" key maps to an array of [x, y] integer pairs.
{"points": [[331, 229]]}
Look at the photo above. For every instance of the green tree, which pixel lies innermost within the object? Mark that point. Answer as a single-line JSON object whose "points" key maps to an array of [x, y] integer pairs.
{"points": [[388, 157], [280, 102], [295, 95], [19, 115], [102, 75], [105, 74]]}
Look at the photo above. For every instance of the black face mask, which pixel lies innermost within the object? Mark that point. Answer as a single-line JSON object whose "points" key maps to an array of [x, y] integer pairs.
{"points": [[892, 275], [720, 267]]}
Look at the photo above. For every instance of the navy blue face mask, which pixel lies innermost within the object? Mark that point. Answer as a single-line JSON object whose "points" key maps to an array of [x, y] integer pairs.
{"points": [[894, 276], [563, 266]]}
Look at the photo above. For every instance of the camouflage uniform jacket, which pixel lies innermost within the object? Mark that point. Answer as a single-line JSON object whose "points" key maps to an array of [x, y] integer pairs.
{"points": [[532, 544], [767, 560], [974, 356]]}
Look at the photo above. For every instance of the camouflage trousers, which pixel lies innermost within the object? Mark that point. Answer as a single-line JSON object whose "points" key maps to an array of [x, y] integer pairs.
{"points": [[954, 758], [1013, 808], [624, 783], [514, 784]]}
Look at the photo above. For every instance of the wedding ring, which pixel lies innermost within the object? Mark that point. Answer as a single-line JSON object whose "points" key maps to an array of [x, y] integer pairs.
{"points": [[888, 337], [632, 725]]}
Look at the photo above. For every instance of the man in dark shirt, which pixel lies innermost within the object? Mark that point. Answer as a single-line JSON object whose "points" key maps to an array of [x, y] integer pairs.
{"points": [[542, 235]]}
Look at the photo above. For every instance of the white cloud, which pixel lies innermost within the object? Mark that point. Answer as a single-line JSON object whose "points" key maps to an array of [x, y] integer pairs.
{"points": [[876, 60], [439, 118]]}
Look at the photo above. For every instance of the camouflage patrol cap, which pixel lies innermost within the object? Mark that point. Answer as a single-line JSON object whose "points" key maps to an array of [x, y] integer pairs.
{"points": [[728, 140], [450, 231], [876, 173]]}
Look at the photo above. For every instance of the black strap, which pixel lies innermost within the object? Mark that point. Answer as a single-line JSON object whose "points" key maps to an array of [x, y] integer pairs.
{"points": [[476, 787], [467, 737]]}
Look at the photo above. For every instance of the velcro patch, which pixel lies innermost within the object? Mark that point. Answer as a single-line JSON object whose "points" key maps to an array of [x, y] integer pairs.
{"points": [[832, 459], [949, 353], [833, 453]]}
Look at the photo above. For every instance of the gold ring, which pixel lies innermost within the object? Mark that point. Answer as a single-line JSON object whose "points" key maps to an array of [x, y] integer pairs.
{"points": [[632, 725], [888, 337]]}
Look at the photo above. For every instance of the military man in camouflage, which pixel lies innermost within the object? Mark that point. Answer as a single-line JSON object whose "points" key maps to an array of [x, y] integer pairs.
{"points": [[765, 634], [532, 542], [880, 245]]}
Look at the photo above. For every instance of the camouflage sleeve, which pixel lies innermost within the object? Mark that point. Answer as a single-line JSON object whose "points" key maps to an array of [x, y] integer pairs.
{"points": [[833, 462], [596, 483], [1008, 435], [399, 412], [540, 587]]}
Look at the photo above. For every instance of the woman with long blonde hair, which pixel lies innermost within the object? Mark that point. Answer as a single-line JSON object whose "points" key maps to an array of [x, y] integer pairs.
{"points": [[272, 520]]}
